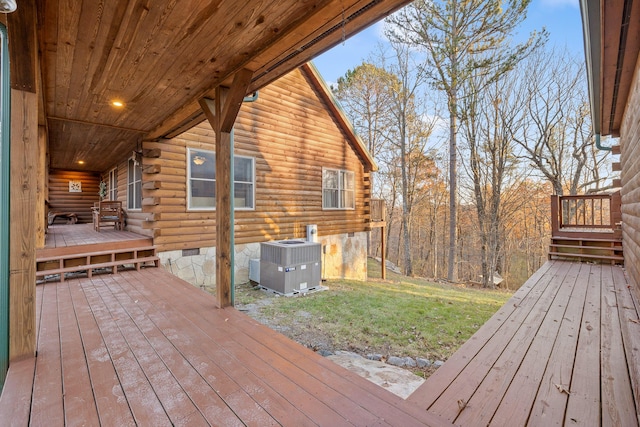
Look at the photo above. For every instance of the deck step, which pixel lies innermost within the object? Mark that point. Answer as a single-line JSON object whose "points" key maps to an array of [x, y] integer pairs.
{"points": [[614, 259], [593, 248], [63, 263]]}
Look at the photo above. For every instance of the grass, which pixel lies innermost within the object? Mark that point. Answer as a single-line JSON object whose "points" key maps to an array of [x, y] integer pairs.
{"points": [[400, 316]]}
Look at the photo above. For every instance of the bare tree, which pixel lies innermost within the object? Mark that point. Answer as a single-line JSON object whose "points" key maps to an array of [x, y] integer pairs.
{"points": [[555, 130], [460, 39]]}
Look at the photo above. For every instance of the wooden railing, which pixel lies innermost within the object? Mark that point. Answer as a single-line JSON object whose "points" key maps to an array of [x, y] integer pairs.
{"points": [[378, 210], [581, 213]]}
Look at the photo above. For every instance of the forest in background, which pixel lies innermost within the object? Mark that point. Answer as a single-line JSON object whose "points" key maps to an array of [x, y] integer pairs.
{"points": [[472, 133]]}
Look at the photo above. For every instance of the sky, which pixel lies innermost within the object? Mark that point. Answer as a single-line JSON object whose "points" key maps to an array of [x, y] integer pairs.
{"points": [[561, 18]]}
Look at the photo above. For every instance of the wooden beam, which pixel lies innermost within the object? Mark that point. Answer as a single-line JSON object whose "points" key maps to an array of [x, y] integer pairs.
{"points": [[23, 47], [221, 114], [213, 111], [234, 97]]}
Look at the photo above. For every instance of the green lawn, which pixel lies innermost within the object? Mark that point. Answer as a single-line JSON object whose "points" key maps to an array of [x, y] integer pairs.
{"points": [[400, 316]]}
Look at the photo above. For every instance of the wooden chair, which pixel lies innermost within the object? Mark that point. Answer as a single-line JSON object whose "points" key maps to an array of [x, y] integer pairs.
{"points": [[108, 212]]}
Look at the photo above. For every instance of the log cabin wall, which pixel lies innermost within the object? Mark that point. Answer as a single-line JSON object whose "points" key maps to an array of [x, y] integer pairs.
{"points": [[80, 203], [291, 134], [630, 175]]}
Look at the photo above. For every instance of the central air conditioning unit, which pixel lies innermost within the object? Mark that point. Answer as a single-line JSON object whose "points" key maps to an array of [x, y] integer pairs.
{"points": [[290, 266]]}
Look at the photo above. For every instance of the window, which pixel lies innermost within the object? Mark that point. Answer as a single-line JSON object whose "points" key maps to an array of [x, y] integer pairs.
{"points": [[338, 189], [112, 190], [134, 185], [201, 172], [243, 183]]}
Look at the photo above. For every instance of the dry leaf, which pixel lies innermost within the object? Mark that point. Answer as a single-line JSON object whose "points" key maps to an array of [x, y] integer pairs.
{"points": [[461, 405], [589, 328], [562, 389], [635, 320]]}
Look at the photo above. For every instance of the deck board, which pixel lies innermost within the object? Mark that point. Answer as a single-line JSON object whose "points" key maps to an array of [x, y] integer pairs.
{"points": [[618, 407], [583, 406], [145, 348], [564, 355], [65, 235]]}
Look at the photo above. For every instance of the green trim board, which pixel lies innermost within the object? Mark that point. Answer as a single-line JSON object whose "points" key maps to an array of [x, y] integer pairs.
{"points": [[5, 127]]}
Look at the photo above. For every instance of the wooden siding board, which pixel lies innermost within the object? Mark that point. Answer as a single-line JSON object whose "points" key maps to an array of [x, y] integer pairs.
{"points": [[61, 200], [630, 160], [291, 140]]}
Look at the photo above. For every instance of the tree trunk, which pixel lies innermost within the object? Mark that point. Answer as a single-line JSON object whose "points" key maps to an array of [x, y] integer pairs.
{"points": [[453, 187]]}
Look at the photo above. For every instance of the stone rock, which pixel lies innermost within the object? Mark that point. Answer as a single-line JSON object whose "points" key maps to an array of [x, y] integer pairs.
{"points": [[376, 357], [396, 361], [438, 363], [325, 353], [396, 380], [423, 363], [409, 362]]}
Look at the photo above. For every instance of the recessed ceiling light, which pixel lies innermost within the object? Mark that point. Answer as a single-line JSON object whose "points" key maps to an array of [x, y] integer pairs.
{"points": [[118, 104], [81, 162]]}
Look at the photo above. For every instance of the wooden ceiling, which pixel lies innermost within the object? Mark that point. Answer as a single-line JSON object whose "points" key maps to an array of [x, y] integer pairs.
{"points": [[159, 57]]}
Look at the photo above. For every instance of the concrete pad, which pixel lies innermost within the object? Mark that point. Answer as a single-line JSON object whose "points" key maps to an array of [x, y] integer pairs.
{"points": [[397, 380]]}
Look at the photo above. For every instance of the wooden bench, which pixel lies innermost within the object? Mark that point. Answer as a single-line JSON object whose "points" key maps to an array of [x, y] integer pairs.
{"points": [[71, 217]]}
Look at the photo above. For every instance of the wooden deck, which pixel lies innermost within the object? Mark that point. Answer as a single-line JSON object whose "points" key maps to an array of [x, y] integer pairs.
{"points": [[146, 348], [565, 350], [67, 235]]}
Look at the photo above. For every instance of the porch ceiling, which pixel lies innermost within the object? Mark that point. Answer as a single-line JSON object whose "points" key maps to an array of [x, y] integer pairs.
{"points": [[612, 43], [159, 57]]}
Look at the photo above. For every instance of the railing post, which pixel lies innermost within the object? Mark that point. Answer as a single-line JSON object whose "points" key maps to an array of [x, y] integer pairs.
{"points": [[555, 214], [615, 207]]}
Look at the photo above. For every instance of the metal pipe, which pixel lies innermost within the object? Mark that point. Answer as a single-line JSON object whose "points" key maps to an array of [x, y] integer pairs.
{"points": [[601, 147]]}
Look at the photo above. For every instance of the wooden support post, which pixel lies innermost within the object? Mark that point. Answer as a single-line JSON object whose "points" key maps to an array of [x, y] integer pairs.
{"points": [[23, 52], [221, 114], [383, 257], [42, 185]]}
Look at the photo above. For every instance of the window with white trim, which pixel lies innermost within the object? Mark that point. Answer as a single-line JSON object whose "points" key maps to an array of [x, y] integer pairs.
{"points": [[134, 185], [201, 181], [338, 189], [112, 184]]}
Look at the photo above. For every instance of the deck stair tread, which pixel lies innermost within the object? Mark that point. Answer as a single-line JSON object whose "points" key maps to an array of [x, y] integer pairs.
{"points": [[594, 256], [594, 248], [604, 248], [588, 239]]}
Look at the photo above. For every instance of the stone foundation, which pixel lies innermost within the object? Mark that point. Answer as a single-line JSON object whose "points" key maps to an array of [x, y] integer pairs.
{"points": [[343, 257]]}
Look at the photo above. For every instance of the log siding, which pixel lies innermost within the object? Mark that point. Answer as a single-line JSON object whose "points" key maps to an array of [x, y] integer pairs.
{"points": [[291, 134], [630, 175]]}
